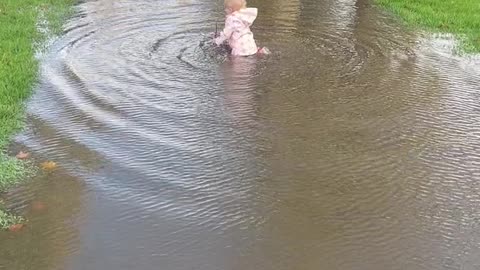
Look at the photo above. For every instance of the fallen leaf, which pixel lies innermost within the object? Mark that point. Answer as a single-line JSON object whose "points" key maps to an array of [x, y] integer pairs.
{"points": [[39, 206], [23, 155], [49, 165], [16, 227]]}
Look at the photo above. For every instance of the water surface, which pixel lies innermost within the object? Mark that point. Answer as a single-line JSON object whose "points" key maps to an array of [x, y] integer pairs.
{"points": [[352, 146]]}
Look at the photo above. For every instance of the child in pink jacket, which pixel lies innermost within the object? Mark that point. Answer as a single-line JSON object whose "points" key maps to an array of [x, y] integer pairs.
{"points": [[237, 29]]}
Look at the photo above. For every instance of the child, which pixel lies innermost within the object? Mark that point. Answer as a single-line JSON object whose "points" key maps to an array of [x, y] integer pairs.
{"points": [[237, 32]]}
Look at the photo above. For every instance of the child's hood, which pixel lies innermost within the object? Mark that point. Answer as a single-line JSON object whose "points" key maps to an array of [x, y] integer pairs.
{"points": [[247, 15]]}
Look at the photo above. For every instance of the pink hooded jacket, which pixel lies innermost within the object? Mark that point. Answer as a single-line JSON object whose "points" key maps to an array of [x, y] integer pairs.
{"points": [[237, 32]]}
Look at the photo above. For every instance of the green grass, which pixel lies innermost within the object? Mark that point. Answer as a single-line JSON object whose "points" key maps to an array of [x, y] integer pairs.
{"points": [[458, 17], [19, 21], [7, 220], [12, 171]]}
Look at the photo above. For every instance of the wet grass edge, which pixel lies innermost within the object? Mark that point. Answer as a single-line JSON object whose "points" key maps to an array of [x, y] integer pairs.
{"points": [[23, 29], [460, 18]]}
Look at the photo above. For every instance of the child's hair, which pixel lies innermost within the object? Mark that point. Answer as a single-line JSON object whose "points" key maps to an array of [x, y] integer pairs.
{"points": [[235, 5]]}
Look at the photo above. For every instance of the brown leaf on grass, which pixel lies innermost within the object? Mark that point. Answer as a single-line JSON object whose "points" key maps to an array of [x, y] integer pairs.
{"points": [[16, 227], [23, 155], [48, 165]]}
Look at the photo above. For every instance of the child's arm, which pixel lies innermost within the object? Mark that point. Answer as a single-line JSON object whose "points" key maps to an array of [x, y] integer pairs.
{"points": [[223, 36], [230, 27]]}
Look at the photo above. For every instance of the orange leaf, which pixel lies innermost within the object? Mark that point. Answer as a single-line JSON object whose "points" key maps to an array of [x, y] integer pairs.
{"points": [[49, 165], [16, 227]]}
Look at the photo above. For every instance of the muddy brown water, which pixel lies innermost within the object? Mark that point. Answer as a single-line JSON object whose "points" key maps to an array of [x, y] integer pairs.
{"points": [[352, 146]]}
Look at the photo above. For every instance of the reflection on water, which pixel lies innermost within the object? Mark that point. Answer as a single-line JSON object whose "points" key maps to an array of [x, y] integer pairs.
{"points": [[350, 147]]}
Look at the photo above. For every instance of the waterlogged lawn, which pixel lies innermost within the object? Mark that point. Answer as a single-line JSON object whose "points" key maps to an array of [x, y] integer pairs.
{"points": [[459, 17], [18, 68]]}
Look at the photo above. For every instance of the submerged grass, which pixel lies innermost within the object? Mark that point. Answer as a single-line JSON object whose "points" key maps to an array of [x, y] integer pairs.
{"points": [[7, 220], [459, 17], [19, 31]]}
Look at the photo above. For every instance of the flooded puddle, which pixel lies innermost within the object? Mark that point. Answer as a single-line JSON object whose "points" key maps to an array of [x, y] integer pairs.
{"points": [[352, 146]]}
